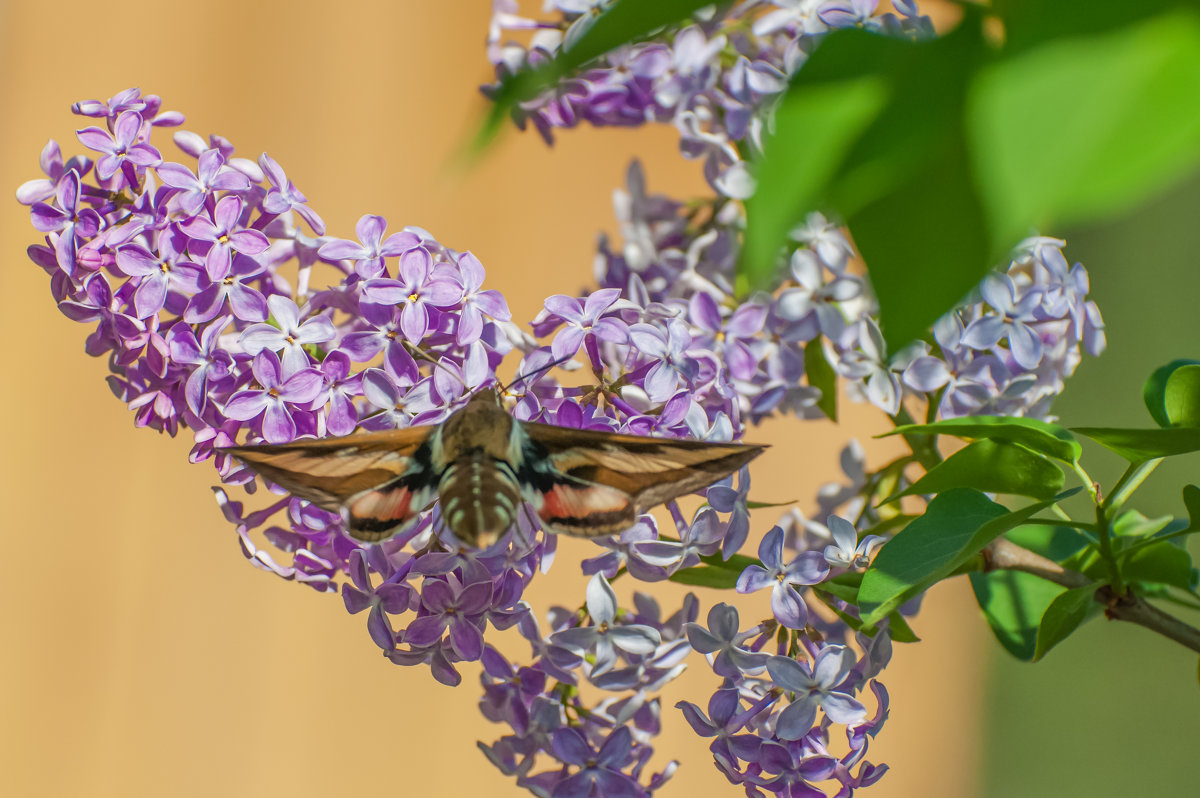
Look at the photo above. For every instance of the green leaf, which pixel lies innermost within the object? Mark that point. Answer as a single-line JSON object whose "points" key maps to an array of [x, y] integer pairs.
{"points": [[622, 22], [901, 631], [1126, 123], [996, 466], [815, 127], [956, 526], [1191, 502], [706, 576], [1031, 22], [1066, 612], [844, 588], [1164, 562], [737, 562], [1185, 396], [1139, 445], [752, 505], [714, 572], [1039, 436], [1132, 523], [1056, 543], [911, 167], [822, 376], [1013, 602], [1182, 396]]}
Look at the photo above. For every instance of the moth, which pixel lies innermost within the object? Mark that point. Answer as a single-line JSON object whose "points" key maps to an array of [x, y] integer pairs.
{"points": [[482, 464]]}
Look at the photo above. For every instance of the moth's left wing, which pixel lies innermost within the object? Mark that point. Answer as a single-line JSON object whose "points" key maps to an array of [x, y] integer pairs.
{"points": [[590, 483], [367, 478]]}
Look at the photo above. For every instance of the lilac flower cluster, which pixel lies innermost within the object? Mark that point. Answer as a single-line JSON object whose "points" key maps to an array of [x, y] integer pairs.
{"points": [[1009, 351], [1006, 350], [180, 274], [712, 78], [771, 745]]}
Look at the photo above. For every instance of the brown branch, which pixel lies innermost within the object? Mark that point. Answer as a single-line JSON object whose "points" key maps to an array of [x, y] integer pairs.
{"points": [[1001, 553], [1136, 609]]}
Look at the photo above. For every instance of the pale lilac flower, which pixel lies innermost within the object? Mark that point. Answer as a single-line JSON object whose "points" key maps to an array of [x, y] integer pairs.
{"points": [[825, 239], [723, 639], [449, 604], [290, 336], [387, 598], [847, 551], [212, 176], [123, 152], [71, 222], [341, 388], [815, 688], [806, 568], [599, 771], [603, 637], [869, 364], [211, 363], [669, 348], [1013, 323], [234, 286], [418, 291], [476, 303], [847, 13], [224, 235], [584, 321], [281, 387], [284, 196], [166, 277], [799, 15], [701, 538], [368, 256]]}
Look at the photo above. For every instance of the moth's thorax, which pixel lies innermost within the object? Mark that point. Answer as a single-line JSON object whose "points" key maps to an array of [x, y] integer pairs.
{"points": [[480, 426]]}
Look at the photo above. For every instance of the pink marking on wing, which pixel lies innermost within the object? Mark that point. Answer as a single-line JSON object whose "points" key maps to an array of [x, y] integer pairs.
{"points": [[383, 505], [563, 501]]}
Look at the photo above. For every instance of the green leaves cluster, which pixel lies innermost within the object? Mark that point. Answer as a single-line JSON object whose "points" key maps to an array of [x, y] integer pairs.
{"points": [[1030, 611], [941, 155]]}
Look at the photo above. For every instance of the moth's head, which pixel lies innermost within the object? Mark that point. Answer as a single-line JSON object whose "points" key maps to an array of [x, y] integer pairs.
{"points": [[486, 396]]}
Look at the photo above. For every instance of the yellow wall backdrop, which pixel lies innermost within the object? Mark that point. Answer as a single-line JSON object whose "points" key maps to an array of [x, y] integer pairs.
{"points": [[140, 655]]}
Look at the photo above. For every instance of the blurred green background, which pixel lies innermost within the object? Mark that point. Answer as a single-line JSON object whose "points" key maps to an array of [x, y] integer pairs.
{"points": [[1114, 710]]}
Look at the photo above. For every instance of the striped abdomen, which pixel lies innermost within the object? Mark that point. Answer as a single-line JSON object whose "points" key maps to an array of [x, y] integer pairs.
{"points": [[479, 497]]}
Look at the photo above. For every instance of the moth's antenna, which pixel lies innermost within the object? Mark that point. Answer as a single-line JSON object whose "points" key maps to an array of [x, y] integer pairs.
{"points": [[417, 351], [523, 377]]}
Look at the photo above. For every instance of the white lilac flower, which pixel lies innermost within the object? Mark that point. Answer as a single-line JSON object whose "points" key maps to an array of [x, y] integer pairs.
{"points": [[847, 551], [604, 637]]}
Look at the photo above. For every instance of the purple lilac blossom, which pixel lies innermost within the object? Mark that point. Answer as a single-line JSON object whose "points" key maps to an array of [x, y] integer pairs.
{"points": [[178, 269], [713, 77]]}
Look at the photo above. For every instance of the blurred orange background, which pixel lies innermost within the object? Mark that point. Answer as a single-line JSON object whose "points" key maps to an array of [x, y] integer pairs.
{"points": [[141, 654]]}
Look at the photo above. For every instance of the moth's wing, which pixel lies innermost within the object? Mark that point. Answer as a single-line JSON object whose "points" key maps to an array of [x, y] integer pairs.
{"points": [[596, 483], [367, 478]]}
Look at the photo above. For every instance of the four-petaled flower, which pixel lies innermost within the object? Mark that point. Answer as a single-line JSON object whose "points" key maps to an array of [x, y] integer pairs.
{"points": [[282, 388], [122, 150], [723, 639], [815, 688], [368, 256], [603, 637], [418, 291], [806, 568], [288, 334], [847, 551]]}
